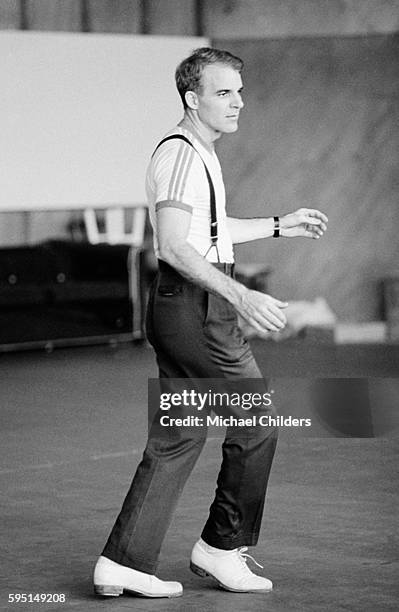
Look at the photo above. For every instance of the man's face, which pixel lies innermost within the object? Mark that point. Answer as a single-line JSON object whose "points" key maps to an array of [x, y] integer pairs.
{"points": [[219, 99]]}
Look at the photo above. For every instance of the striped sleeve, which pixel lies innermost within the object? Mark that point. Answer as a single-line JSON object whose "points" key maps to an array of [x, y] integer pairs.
{"points": [[173, 164]]}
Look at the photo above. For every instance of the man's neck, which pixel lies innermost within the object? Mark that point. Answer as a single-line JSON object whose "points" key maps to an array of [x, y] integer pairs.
{"points": [[208, 136]]}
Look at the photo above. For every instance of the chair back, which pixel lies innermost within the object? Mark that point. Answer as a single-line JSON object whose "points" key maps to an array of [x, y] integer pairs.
{"points": [[115, 222]]}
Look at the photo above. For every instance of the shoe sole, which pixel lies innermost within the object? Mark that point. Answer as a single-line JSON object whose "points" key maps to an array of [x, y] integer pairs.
{"points": [[203, 573], [115, 591]]}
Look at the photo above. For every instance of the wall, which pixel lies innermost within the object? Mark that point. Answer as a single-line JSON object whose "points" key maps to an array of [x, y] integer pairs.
{"points": [[283, 18], [321, 129], [214, 18], [334, 133]]}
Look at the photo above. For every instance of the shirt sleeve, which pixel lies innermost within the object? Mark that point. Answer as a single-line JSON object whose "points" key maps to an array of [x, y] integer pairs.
{"points": [[172, 174]]}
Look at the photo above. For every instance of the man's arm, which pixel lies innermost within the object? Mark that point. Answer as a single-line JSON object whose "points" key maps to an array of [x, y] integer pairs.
{"points": [[306, 222], [261, 311]]}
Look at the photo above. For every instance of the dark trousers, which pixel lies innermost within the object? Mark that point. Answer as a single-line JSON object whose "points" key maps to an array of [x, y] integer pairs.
{"points": [[195, 335]]}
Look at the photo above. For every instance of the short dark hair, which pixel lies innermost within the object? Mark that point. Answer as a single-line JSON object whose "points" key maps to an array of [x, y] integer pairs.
{"points": [[189, 71]]}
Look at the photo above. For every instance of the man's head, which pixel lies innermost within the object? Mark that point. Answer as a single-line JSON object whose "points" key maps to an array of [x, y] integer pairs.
{"points": [[209, 83], [190, 71]]}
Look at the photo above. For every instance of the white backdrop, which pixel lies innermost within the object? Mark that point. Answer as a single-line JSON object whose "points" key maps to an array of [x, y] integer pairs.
{"points": [[80, 115]]}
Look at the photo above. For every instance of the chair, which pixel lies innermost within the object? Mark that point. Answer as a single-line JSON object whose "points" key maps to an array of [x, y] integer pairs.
{"points": [[114, 232]]}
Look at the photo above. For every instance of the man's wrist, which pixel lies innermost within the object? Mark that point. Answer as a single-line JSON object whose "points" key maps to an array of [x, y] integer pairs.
{"points": [[283, 226], [236, 292]]}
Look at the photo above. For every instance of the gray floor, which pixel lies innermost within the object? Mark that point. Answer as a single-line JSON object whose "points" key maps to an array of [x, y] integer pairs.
{"points": [[73, 429]]}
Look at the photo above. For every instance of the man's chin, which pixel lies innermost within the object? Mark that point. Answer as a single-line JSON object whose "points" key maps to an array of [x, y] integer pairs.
{"points": [[229, 129]]}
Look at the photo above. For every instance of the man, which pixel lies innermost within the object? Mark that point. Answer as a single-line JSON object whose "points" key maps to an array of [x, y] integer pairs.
{"points": [[192, 324]]}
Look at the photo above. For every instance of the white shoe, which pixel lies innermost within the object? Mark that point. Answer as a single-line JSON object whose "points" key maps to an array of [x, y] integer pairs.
{"points": [[229, 568], [112, 579]]}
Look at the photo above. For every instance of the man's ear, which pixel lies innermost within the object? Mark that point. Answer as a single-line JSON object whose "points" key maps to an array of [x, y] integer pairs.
{"points": [[191, 99]]}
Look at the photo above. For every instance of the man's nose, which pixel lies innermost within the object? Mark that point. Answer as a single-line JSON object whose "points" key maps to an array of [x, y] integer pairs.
{"points": [[237, 101]]}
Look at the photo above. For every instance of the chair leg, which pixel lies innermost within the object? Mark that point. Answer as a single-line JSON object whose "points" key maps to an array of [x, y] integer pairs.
{"points": [[135, 292]]}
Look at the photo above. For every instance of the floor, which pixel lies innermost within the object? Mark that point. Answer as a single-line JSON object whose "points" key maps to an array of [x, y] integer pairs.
{"points": [[73, 429]]}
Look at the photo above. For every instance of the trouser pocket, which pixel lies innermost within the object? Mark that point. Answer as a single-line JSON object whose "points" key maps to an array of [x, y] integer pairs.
{"points": [[169, 290]]}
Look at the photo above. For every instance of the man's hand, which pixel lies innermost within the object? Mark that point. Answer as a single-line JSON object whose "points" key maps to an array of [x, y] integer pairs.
{"points": [[261, 311], [306, 222]]}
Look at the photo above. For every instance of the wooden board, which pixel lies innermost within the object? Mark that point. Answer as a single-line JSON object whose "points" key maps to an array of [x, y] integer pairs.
{"points": [[81, 114]]}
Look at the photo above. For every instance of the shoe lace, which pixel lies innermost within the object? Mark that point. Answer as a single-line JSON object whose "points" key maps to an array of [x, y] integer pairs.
{"points": [[244, 557]]}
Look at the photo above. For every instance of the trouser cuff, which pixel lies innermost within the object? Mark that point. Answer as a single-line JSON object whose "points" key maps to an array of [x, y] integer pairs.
{"points": [[139, 565], [231, 542]]}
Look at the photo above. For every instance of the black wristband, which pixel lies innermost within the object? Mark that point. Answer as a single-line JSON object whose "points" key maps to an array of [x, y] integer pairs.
{"points": [[276, 233]]}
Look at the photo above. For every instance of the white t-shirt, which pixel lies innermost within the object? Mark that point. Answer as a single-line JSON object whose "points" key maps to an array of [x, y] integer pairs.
{"points": [[176, 173]]}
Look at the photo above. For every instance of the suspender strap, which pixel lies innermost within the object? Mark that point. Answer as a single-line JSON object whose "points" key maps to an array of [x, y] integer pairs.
{"points": [[212, 198]]}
